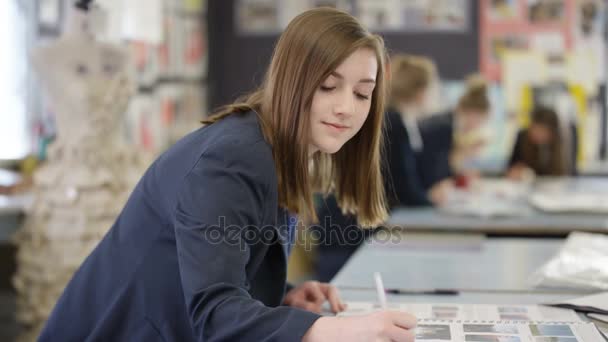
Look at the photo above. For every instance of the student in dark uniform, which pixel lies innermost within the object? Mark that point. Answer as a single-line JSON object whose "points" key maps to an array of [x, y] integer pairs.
{"points": [[451, 138], [199, 252], [411, 78], [540, 150]]}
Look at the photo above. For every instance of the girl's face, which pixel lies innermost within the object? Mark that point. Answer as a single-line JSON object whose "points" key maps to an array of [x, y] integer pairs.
{"points": [[539, 134], [471, 119], [342, 102], [421, 98]]}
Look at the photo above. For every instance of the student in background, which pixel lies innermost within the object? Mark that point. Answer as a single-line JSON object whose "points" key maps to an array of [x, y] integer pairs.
{"points": [[411, 78], [540, 149], [451, 138], [199, 252]]}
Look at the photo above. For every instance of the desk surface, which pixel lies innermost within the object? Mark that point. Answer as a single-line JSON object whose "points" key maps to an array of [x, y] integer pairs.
{"points": [[495, 269], [468, 262], [463, 298], [529, 222], [522, 218], [597, 168], [448, 261]]}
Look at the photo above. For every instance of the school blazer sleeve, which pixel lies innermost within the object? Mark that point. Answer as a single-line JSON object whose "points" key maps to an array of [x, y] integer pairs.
{"points": [[434, 161], [227, 186]]}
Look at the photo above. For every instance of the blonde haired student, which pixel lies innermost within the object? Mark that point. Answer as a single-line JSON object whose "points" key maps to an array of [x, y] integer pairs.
{"points": [[411, 79], [199, 252], [453, 137]]}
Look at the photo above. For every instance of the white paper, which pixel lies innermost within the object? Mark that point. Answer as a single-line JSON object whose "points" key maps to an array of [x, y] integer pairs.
{"points": [[569, 195], [577, 203], [582, 262], [471, 312], [489, 198], [500, 323]]}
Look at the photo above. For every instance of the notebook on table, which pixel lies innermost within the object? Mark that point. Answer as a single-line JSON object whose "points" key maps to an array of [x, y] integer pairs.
{"points": [[490, 323]]}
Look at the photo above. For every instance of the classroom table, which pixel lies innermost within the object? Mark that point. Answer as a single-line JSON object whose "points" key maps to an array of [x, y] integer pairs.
{"points": [[524, 219], [597, 168], [530, 222], [573, 185], [484, 270], [431, 261]]}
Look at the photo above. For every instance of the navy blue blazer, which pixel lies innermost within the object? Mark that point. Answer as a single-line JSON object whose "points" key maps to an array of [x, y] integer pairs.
{"points": [[199, 252], [403, 184], [437, 137]]}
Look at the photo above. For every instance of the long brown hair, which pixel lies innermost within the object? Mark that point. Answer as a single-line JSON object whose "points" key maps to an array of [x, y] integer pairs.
{"points": [[531, 153], [312, 46]]}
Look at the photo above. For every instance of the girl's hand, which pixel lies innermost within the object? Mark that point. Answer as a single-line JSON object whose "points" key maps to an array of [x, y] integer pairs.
{"points": [[312, 294]]}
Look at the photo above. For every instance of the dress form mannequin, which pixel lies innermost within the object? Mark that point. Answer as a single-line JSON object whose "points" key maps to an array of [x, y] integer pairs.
{"points": [[89, 173]]}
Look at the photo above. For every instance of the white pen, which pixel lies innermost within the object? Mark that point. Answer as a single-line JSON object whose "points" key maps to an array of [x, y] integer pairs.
{"points": [[380, 290]]}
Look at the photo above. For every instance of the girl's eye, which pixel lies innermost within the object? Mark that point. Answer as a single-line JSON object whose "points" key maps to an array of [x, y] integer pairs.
{"points": [[362, 97], [325, 88]]}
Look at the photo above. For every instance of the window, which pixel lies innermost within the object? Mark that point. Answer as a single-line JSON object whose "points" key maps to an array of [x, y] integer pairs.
{"points": [[14, 131]]}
